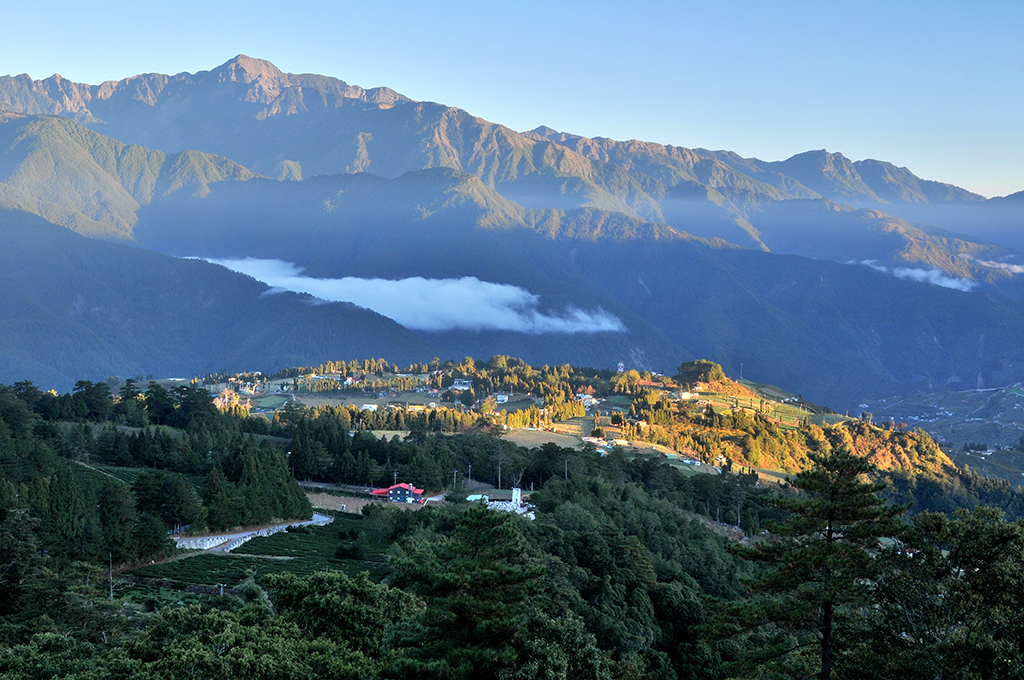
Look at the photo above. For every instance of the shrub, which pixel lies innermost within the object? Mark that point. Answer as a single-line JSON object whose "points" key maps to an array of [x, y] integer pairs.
{"points": [[348, 551]]}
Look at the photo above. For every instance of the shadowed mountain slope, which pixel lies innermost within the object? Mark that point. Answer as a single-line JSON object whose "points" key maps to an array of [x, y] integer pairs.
{"points": [[76, 308], [96, 186]]}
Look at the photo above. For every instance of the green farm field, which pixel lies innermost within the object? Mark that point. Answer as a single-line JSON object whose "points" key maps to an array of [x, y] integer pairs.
{"points": [[125, 475], [297, 552], [270, 402]]}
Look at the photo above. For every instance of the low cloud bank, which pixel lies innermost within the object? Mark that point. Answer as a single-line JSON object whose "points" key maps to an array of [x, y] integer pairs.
{"points": [[1004, 266], [932, 276], [434, 304]]}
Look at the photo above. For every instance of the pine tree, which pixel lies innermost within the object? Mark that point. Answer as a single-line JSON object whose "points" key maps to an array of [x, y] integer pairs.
{"points": [[947, 601], [223, 501], [117, 517], [822, 558], [66, 522], [477, 585]]}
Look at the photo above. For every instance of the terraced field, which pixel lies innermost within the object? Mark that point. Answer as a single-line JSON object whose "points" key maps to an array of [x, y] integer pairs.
{"points": [[125, 475], [299, 552]]}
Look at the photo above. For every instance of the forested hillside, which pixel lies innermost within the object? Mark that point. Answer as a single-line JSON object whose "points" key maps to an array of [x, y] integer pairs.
{"points": [[633, 567]]}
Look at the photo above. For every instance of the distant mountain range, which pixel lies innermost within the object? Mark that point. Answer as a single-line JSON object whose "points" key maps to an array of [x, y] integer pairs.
{"points": [[687, 247]]}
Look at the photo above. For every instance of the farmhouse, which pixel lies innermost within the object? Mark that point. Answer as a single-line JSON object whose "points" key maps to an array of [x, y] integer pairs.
{"points": [[399, 493]]}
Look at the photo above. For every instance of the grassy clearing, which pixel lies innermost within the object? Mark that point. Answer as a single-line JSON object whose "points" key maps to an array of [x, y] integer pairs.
{"points": [[581, 427], [690, 470], [332, 501], [787, 415], [204, 568], [513, 406], [96, 474], [773, 476], [622, 401], [534, 438], [674, 459], [155, 597]]}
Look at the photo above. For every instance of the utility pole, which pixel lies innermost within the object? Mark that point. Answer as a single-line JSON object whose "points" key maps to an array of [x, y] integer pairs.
{"points": [[110, 556], [396, 476]]}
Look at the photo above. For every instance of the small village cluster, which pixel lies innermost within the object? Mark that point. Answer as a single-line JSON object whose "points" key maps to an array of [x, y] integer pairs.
{"points": [[408, 493]]}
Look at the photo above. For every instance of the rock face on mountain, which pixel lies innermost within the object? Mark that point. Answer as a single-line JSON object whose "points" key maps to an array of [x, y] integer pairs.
{"points": [[194, 111]]}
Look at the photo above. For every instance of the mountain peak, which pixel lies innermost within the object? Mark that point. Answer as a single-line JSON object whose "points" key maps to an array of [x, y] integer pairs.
{"points": [[832, 175], [245, 69], [823, 156], [544, 131]]}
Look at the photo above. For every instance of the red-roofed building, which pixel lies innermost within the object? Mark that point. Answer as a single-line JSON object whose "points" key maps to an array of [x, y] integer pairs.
{"points": [[400, 493]]}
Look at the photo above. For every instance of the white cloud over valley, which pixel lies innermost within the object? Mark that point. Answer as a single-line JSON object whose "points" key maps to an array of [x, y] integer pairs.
{"points": [[433, 304], [932, 276], [1003, 266]]}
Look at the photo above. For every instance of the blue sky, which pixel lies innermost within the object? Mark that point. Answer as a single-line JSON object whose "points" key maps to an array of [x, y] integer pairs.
{"points": [[934, 86]]}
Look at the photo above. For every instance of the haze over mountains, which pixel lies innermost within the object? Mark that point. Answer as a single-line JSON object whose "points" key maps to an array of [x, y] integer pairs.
{"points": [[689, 250]]}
